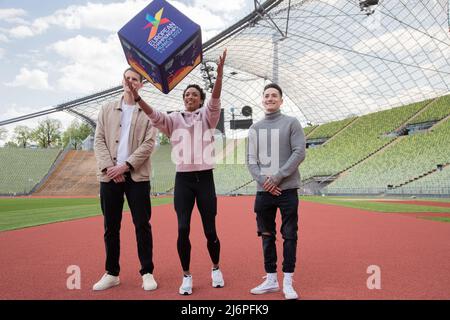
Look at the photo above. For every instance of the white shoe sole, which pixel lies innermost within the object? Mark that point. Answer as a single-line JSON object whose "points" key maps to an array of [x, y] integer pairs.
{"points": [[291, 298], [265, 291], [218, 284], [185, 292], [109, 287], [149, 289]]}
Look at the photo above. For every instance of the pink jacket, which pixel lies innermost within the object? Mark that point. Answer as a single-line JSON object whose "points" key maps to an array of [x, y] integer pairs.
{"points": [[191, 135]]}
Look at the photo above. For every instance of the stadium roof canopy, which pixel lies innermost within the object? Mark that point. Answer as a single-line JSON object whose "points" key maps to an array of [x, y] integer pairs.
{"points": [[333, 59]]}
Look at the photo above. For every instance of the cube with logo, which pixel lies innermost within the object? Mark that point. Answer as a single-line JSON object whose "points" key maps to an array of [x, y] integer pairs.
{"points": [[162, 44]]}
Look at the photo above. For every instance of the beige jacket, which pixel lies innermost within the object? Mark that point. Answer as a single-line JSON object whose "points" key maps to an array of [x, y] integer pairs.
{"points": [[141, 141]]}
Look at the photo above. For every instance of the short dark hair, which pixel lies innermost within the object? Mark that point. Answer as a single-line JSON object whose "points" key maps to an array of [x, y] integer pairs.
{"points": [[141, 78], [196, 86], [275, 86]]}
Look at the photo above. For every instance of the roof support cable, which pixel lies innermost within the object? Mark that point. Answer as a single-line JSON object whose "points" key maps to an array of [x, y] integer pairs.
{"points": [[261, 11]]}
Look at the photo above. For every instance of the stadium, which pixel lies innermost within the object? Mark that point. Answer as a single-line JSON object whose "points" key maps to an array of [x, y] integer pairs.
{"points": [[369, 82]]}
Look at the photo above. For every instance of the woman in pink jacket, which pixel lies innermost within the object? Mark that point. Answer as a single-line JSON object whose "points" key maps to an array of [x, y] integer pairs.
{"points": [[191, 134]]}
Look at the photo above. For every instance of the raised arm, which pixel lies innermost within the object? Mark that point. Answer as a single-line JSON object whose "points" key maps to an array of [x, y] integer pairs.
{"points": [[217, 90], [160, 120], [144, 106], [212, 110]]}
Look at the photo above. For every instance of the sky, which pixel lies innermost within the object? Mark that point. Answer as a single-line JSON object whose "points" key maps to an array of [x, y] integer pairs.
{"points": [[54, 51]]}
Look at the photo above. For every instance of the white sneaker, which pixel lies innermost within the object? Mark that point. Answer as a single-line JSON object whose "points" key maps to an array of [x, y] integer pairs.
{"points": [[289, 292], [186, 286], [106, 282], [269, 285], [288, 289], [217, 279], [148, 282]]}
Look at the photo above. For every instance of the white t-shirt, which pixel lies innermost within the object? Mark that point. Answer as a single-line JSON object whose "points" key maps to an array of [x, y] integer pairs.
{"points": [[125, 121]]}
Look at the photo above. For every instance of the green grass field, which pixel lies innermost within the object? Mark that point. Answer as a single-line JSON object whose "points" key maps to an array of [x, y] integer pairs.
{"points": [[370, 205], [16, 213]]}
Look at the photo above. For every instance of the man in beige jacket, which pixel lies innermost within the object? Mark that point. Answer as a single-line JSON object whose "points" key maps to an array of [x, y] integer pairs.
{"points": [[124, 141]]}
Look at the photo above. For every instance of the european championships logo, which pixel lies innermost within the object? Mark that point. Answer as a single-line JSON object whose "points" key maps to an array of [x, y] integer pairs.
{"points": [[155, 22], [163, 39]]}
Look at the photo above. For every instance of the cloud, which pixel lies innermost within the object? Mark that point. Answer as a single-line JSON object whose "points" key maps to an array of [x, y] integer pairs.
{"points": [[221, 6], [3, 34], [12, 15], [21, 32], [83, 64], [32, 79], [204, 16], [111, 17], [90, 63], [2, 52], [14, 110], [107, 17], [17, 21]]}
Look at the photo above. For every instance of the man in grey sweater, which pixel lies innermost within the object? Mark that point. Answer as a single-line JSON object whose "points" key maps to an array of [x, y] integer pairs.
{"points": [[275, 150]]}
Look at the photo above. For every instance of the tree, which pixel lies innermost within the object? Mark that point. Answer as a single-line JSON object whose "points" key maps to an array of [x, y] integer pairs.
{"points": [[48, 133], [163, 139], [3, 133], [22, 136], [76, 133], [11, 144]]}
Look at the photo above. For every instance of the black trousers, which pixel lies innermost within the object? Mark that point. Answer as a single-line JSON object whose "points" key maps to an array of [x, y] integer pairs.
{"points": [[189, 187], [266, 206], [112, 199]]}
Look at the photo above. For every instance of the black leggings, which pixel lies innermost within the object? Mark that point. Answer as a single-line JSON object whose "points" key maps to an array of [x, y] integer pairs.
{"points": [[191, 186]]}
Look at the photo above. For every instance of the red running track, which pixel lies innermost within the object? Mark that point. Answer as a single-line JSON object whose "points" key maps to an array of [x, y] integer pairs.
{"points": [[336, 246]]}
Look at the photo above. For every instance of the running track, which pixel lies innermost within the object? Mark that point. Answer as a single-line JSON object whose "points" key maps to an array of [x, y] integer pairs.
{"points": [[336, 246]]}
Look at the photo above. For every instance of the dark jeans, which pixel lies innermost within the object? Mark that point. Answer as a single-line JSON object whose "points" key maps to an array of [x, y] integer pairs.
{"points": [[266, 206], [112, 199], [191, 186]]}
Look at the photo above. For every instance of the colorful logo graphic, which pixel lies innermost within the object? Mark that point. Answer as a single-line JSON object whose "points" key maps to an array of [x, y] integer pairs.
{"points": [[155, 22]]}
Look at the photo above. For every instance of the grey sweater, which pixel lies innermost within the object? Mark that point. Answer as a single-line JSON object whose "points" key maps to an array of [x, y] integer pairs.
{"points": [[276, 147]]}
